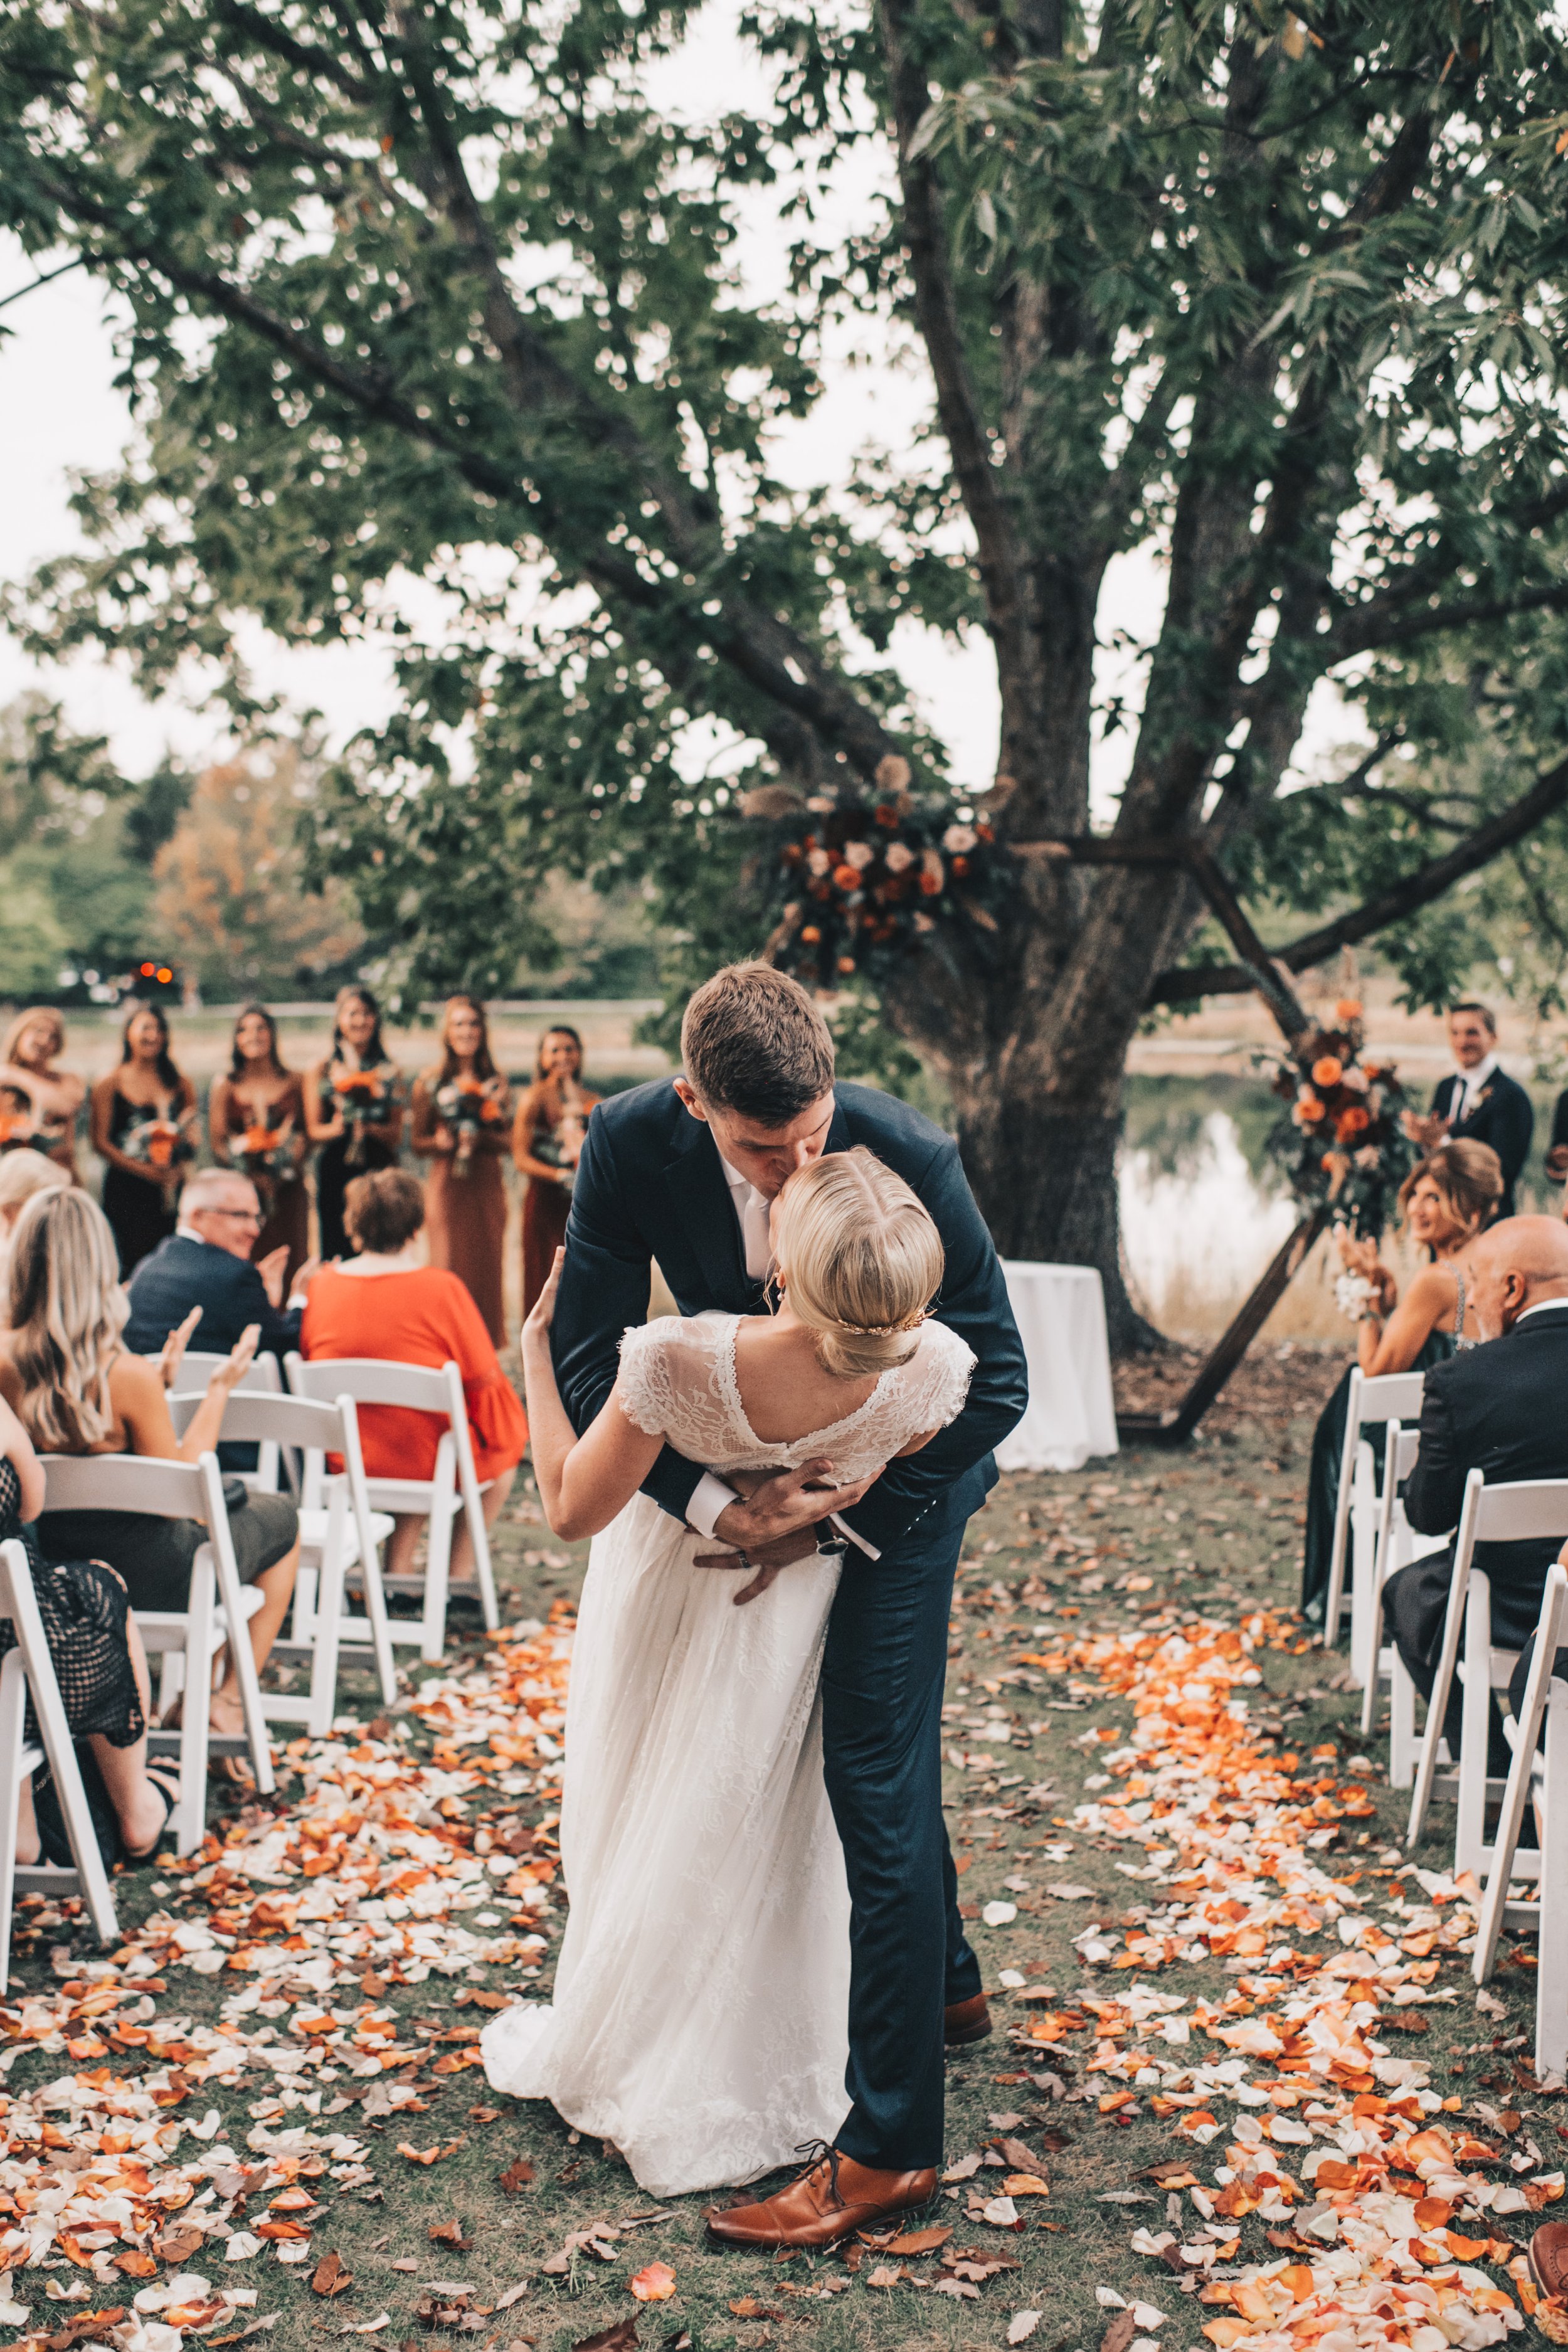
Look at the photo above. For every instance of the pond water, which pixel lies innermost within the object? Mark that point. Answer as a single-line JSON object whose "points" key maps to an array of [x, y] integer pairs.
{"points": [[1204, 1210]]}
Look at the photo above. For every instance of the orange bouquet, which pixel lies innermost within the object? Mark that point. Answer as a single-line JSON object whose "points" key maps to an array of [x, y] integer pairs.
{"points": [[470, 1107], [364, 1098]]}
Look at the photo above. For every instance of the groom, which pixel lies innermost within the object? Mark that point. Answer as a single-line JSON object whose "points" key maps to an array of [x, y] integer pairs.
{"points": [[683, 1171]]}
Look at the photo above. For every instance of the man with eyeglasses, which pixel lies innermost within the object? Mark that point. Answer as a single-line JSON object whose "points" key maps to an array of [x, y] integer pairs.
{"points": [[202, 1282]]}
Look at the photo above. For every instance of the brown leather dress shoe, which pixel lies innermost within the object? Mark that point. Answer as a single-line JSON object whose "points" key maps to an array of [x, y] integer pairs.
{"points": [[965, 2020], [830, 2199], [1548, 2257]]}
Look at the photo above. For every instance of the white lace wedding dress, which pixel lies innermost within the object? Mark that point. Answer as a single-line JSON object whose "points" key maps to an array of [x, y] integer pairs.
{"points": [[699, 2020]]}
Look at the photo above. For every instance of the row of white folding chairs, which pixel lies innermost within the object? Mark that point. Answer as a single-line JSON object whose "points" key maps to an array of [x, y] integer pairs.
{"points": [[1372, 1403], [28, 1669], [339, 1532], [1538, 1776]]}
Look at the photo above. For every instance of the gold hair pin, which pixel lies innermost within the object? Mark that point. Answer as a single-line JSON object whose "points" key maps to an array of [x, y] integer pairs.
{"points": [[887, 1330]]}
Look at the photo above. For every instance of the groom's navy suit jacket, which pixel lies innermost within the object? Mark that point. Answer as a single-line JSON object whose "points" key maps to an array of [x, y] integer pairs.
{"points": [[649, 1186]]}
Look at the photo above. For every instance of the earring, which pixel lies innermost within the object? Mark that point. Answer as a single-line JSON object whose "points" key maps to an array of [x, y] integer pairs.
{"points": [[774, 1290]]}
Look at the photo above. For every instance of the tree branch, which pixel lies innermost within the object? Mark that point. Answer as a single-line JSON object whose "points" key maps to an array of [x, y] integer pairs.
{"points": [[782, 667], [1417, 889], [1354, 635], [998, 554], [303, 55]]}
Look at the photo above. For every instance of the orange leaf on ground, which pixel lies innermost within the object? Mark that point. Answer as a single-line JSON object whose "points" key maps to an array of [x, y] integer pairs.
{"points": [[516, 2176], [656, 2285], [330, 2277], [918, 2241]]}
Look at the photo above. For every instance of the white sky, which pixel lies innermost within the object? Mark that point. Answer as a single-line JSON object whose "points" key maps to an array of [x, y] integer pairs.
{"points": [[59, 411]]}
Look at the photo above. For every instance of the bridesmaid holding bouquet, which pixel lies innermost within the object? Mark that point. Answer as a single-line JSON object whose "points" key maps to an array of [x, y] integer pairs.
{"points": [[30, 1061], [144, 1124], [256, 1125], [552, 1122], [460, 1113], [353, 1109]]}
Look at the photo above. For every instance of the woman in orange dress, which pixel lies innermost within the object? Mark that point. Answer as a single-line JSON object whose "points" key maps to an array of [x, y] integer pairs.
{"points": [[255, 1123], [29, 1058], [552, 1121], [384, 1302], [459, 1120]]}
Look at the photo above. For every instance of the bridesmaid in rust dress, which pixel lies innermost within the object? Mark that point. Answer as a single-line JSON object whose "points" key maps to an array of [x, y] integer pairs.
{"points": [[255, 1123], [461, 1111], [30, 1061], [552, 1120]]}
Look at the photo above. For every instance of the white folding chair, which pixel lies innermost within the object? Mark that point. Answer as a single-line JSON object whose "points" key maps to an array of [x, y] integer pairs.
{"points": [[188, 1638], [29, 1668], [456, 1487], [264, 1378], [1540, 1774], [1395, 1546], [1530, 1510], [1389, 1396], [338, 1531]]}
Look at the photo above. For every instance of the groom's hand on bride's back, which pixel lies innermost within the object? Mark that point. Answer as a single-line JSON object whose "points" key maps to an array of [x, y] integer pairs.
{"points": [[787, 1503]]}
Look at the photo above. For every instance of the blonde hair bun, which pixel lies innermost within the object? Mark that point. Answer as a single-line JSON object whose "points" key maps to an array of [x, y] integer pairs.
{"points": [[862, 1261]]}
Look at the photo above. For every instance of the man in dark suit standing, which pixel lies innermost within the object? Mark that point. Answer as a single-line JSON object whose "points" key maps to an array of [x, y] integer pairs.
{"points": [[1498, 1408], [683, 1172], [205, 1264], [1480, 1102]]}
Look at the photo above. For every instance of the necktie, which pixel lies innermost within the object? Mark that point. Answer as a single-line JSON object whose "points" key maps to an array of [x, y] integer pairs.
{"points": [[755, 1239]]}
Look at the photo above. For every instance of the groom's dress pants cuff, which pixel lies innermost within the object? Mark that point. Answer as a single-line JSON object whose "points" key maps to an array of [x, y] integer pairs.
{"points": [[709, 1498]]}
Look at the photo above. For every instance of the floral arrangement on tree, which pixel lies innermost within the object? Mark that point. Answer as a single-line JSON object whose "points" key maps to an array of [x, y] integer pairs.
{"points": [[263, 1152], [1342, 1142], [364, 1098], [870, 880], [470, 1107], [157, 1142]]}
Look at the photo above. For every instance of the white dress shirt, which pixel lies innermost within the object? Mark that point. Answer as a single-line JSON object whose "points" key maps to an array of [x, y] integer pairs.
{"points": [[1472, 1086], [710, 1495]]}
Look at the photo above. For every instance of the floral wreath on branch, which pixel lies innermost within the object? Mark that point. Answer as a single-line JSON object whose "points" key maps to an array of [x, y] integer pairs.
{"points": [[869, 880], [1341, 1143]]}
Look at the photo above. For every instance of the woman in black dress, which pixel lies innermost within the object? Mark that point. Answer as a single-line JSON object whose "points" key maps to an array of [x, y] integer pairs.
{"points": [[352, 1111], [143, 1122], [102, 1669]]}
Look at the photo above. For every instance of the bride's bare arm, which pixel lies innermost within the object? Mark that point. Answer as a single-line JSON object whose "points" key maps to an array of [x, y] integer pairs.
{"points": [[583, 1481]]}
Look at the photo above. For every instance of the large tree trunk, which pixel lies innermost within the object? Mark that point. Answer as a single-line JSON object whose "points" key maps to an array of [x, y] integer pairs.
{"points": [[1046, 1182]]}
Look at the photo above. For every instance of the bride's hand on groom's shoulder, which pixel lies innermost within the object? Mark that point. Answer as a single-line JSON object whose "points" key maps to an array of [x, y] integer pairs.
{"points": [[541, 1314]]}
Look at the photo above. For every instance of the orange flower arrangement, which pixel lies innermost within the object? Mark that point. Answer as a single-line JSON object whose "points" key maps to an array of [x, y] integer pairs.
{"points": [[1328, 1087]]}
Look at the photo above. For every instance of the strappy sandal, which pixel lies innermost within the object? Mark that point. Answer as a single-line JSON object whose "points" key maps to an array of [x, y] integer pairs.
{"points": [[133, 1856]]}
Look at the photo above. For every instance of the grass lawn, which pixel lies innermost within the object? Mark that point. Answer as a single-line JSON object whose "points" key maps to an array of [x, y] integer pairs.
{"points": [[1146, 1537]]}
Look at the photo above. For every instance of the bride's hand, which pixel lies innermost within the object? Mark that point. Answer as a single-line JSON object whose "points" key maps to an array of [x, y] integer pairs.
{"points": [[542, 1313]]}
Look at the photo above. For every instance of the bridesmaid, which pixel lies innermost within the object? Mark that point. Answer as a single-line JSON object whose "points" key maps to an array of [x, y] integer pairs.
{"points": [[357, 1051], [259, 1094], [30, 1054], [139, 1192], [464, 1199], [552, 1120]]}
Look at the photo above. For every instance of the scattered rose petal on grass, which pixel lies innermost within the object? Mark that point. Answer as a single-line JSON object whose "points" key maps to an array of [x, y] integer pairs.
{"points": [[1118, 2337], [366, 2326], [621, 2337], [999, 1915], [656, 2285], [746, 2307], [332, 2275], [516, 2176], [1021, 2325], [513, 2295], [917, 2241]]}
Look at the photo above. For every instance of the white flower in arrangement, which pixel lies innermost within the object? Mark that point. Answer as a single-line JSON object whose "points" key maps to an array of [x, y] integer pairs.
{"points": [[899, 857], [859, 853], [821, 803], [818, 860], [1353, 1294], [1367, 1156], [1354, 1078], [960, 838]]}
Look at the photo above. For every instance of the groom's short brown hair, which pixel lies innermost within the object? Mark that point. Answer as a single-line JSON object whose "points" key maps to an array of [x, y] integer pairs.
{"points": [[753, 1042]]}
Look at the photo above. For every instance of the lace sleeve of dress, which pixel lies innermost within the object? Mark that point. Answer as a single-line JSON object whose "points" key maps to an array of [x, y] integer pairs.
{"points": [[668, 1385], [939, 1379]]}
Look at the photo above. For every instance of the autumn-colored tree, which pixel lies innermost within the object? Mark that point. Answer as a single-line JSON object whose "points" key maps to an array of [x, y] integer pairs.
{"points": [[231, 906]]}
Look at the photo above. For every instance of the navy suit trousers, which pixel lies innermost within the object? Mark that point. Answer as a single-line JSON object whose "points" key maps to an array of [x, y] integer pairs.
{"points": [[882, 1680]]}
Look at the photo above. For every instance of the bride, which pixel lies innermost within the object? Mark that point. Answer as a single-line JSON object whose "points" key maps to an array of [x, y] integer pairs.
{"points": [[699, 2016]]}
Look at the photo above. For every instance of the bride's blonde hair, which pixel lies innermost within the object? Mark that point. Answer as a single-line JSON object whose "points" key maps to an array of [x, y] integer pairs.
{"points": [[861, 1260]]}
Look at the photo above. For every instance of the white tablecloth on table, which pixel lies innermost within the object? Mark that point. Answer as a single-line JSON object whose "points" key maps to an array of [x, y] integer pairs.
{"points": [[1060, 1315]]}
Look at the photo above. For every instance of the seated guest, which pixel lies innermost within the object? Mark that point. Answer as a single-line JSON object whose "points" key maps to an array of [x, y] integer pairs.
{"points": [[206, 1263], [1445, 1201], [384, 1302], [78, 1389], [1498, 1408], [100, 1666], [1481, 1102], [21, 1174]]}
